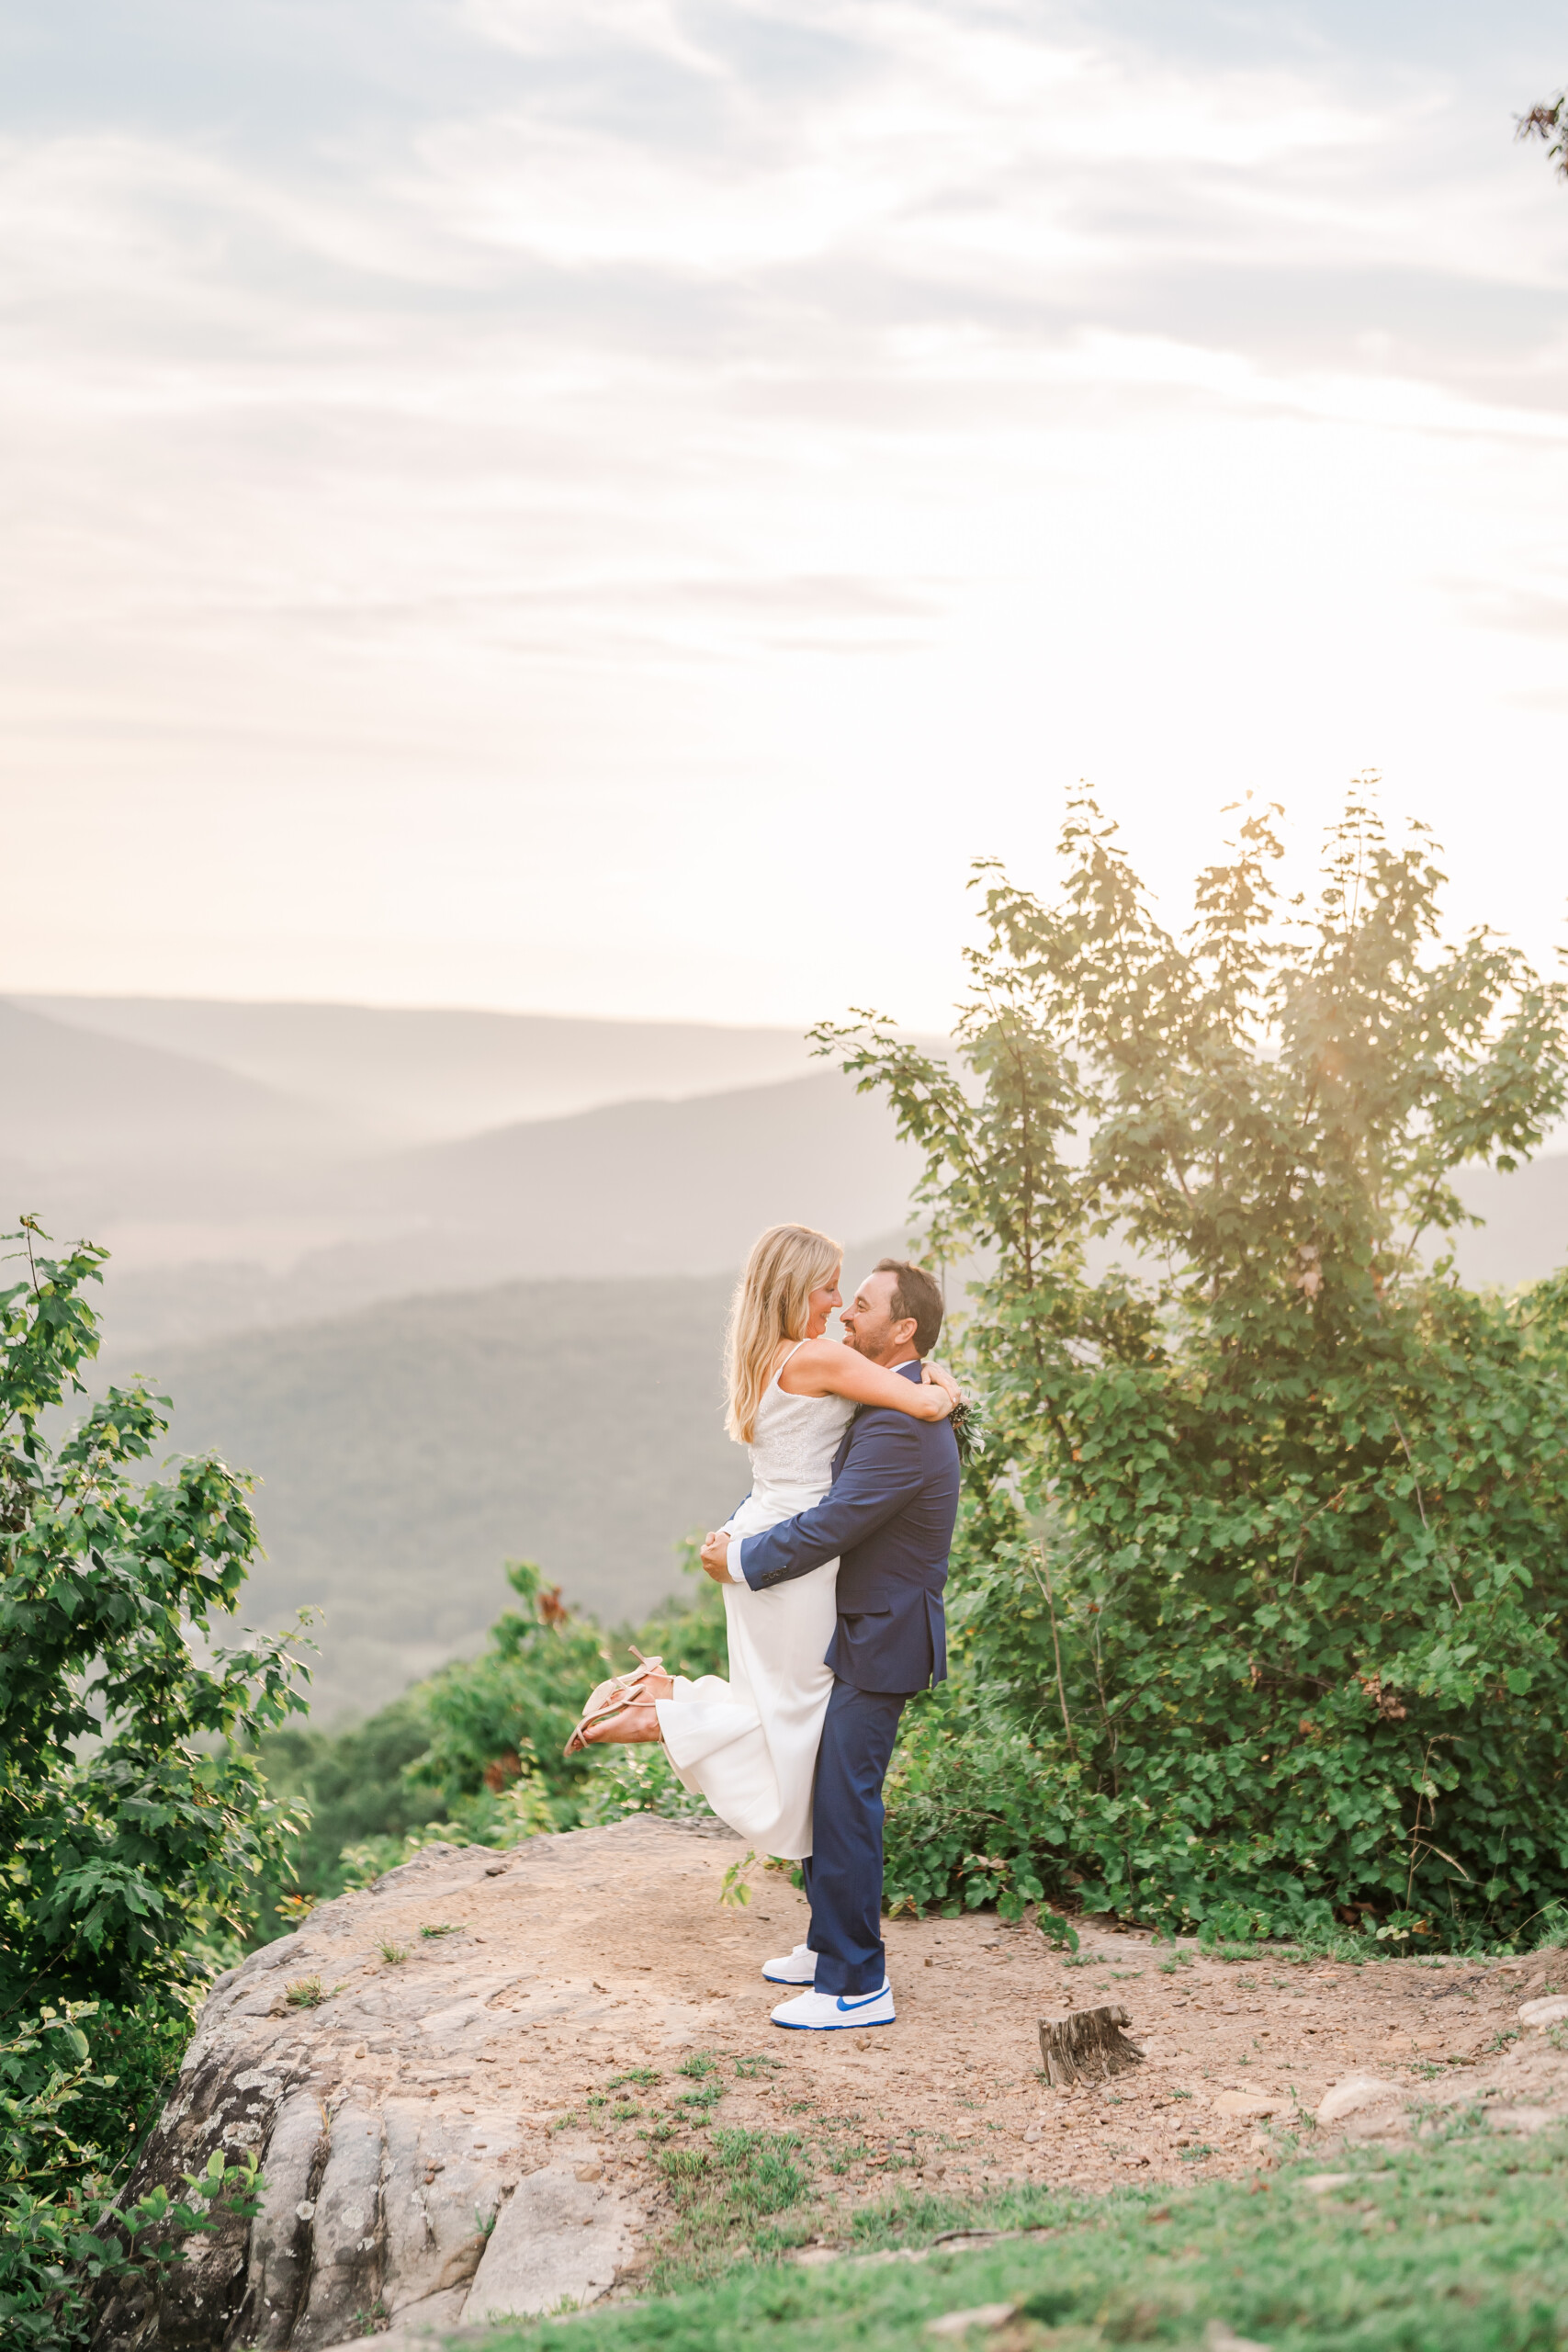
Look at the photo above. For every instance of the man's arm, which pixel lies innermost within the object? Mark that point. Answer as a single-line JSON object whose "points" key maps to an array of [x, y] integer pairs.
{"points": [[882, 1471]]}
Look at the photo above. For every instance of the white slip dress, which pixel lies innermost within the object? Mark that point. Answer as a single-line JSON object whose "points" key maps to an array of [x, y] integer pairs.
{"points": [[749, 1745]]}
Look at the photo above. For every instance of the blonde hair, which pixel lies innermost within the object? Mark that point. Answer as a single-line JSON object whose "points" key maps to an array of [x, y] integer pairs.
{"points": [[771, 1303]]}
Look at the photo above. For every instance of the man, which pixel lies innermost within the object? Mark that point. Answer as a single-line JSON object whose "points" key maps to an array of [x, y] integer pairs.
{"points": [[889, 1521]]}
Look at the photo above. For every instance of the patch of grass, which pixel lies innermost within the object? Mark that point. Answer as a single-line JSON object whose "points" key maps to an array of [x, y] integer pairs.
{"points": [[1454, 2246], [700, 2063], [747, 2068], [394, 1954], [725, 2194], [305, 1993], [640, 2075], [441, 1927]]}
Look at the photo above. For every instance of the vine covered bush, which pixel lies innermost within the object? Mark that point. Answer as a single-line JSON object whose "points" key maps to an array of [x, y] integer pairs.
{"points": [[134, 1821], [1258, 1598]]}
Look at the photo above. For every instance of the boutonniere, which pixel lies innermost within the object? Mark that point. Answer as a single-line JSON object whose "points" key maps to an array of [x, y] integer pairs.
{"points": [[968, 1428]]}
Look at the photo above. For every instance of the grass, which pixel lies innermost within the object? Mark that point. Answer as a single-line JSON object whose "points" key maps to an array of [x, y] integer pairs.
{"points": [[1455, 2247], [394, 1954], [732, 2190], [443, 1927], [305, 1993]]}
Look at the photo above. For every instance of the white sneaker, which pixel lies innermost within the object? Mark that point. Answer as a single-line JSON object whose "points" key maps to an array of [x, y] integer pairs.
{"points": [[797, 1967], [832, 2012]]}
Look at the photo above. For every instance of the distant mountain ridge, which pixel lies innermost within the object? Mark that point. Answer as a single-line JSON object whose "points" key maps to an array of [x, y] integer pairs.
{"points": [[100, 1110], [229, 1202], [651, 1187], [411, 1075]]}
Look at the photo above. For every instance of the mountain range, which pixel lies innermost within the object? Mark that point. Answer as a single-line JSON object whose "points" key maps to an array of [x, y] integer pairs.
{"points": [[422, 1075], [439, 1346]]}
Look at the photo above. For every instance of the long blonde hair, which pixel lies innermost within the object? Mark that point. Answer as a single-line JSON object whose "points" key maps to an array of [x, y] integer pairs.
{"points": [[771, 1303]]}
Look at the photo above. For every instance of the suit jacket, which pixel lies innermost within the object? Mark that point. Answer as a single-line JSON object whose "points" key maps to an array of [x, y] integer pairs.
{"points": [[889, 1521]]}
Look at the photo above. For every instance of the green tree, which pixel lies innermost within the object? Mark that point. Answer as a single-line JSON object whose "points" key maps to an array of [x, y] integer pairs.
{"points": [[1259, 1596], [133, 1820]]}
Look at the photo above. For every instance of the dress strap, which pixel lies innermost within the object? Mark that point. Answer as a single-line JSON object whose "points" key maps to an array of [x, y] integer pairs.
{"points": [[783, 1367]]}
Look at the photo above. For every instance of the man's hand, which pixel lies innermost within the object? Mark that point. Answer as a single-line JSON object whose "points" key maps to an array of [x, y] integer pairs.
{"points": [[716, 1557]]}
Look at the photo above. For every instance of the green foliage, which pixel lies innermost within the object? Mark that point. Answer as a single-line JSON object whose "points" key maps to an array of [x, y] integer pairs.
{"points": [[628, 1779], [347, 1789], [1259, 1603], [134, 2055], [132, 1820], [62, 2232], [1548, 123]]}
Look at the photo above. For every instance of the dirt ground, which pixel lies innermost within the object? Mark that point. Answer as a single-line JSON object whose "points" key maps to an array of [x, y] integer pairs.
{"points": [[633, 1963]]}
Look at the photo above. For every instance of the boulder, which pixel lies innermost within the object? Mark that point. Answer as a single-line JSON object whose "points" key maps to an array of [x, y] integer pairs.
{"points": [[1541, 2014], [405, 2191]]}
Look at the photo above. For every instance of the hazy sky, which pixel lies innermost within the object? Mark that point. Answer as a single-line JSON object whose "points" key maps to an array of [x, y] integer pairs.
{"points": [[607, 505]]}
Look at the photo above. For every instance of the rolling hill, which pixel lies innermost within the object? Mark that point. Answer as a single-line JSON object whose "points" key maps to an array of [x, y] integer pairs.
{"points": [[101, 1113], [635, 1188], [422, 1075]]}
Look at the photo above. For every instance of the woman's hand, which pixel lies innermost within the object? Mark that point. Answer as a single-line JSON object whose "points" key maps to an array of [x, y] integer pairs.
{"points": [[714, 1556], [936, 1377]]}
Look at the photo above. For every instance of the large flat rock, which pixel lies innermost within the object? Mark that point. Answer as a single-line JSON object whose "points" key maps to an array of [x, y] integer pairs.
{"points": [[411, 2179]]}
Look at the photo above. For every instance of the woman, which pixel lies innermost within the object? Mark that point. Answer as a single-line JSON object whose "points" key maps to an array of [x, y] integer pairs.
{"points": [[749, 1745]]}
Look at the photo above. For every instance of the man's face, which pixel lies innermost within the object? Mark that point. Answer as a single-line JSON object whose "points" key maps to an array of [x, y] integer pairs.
{"points": [[868, 1323]]}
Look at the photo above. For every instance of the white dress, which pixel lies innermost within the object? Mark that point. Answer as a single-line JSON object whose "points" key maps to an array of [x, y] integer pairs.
{"points": [[749, 1745]]}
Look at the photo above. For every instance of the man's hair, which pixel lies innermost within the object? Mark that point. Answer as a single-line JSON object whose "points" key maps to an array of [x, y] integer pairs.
{"points": [[914, 1292]]}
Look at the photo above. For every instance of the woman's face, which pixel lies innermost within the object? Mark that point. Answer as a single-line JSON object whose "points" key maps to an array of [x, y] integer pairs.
{"points": [[821, 1304]]}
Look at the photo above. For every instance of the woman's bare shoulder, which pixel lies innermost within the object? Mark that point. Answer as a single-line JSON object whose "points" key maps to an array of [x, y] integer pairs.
{"points": [[802, 1369]]}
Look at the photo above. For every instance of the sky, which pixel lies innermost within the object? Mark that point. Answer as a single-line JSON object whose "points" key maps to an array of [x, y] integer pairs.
{"points": [[609, 506]]}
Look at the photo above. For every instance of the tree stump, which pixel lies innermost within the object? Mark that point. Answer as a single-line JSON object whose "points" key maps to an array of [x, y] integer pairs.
{"points": [[1086, 2045]]}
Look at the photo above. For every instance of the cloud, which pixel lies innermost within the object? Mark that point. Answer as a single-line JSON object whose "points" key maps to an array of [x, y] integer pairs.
{"points": [[664, 389]]}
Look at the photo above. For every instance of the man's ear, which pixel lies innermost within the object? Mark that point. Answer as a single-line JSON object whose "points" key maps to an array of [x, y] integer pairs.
{"points": [[907, 1327]]}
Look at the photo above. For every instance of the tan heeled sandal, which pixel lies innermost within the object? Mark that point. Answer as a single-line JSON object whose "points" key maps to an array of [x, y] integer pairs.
{"points": [[622, 1693]]}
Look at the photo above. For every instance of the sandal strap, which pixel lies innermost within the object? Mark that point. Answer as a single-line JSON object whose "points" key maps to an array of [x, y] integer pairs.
{"points": [[623, 1691]]}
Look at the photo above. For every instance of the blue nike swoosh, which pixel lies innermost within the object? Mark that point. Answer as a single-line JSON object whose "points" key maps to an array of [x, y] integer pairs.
{"points": [[864, 2001]]}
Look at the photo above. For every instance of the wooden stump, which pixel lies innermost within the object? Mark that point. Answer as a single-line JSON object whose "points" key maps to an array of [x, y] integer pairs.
{"points": [[1086, 2045]]}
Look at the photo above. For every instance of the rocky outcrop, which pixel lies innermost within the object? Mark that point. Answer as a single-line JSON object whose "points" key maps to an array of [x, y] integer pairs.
{"points": [[371, 2063]]}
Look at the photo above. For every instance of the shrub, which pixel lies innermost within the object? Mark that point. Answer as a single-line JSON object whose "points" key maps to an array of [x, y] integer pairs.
{"points": [[1258, 1611], [132, 1820], [62, 2232]]}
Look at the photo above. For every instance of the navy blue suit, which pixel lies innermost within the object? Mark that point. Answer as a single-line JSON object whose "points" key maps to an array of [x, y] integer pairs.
{"points": [[889, 1521]]}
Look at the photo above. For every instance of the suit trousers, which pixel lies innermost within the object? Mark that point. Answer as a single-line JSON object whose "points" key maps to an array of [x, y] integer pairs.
{"points": [[843, 1871]]}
